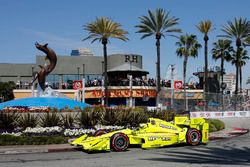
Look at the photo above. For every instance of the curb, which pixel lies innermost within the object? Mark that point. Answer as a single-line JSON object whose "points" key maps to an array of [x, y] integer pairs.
{"points": [[23, 151], [45, 149], [230, 134]]}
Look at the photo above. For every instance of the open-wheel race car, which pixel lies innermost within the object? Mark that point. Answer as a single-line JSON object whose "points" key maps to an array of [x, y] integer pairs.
{"points": [[155, 133]]}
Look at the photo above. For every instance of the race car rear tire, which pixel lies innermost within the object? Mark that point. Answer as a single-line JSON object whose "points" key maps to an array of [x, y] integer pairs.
{"points": [[119, 141], [100, 132], [193, 137]]}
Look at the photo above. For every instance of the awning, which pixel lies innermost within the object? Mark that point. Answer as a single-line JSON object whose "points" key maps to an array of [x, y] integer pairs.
{"points": [[127, 67]]}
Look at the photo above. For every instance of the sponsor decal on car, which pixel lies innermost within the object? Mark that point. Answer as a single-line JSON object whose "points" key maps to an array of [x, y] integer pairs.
{"points": [[153, 138], [168, 127]]}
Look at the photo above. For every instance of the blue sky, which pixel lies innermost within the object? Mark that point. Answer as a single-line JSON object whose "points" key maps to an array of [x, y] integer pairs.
{"points": [[59, 23]]}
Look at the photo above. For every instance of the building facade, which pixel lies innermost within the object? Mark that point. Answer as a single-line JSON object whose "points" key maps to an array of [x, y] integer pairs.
{"points": [[83, 64], [230, 80]]}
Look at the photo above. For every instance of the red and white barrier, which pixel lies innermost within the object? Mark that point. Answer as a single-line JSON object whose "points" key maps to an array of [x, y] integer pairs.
{"points": [[219, 114]]}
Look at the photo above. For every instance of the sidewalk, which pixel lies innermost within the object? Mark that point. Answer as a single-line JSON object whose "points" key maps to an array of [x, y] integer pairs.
{"points": [[21, 149], [28, 149]]}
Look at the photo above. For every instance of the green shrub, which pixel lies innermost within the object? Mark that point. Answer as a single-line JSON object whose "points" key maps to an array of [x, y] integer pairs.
{"points": [[88, 117], [8, 120], [31, 140], [27, 120], [50, 119], [6, 90], [212, 128], [68, 120], [122, 116], [136, 117], [215, 125], [111, 116], [167, 115]]}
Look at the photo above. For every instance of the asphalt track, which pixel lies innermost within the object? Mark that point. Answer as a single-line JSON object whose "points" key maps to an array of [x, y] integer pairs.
{"points": [[233, 151]]}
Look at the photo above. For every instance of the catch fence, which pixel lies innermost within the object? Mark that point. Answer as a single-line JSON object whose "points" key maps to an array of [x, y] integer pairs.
{"points": [[196, 100]]}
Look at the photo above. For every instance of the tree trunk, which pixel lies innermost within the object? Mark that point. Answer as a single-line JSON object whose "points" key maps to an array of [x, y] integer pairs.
{"points": [[184, 81], [238, 44], [222, 72], [240, 71], [158, 71], [205, 85], [104, 42]]}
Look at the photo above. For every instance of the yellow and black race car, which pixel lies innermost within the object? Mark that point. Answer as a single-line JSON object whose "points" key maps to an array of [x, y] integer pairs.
{"points": [[155, 133]]}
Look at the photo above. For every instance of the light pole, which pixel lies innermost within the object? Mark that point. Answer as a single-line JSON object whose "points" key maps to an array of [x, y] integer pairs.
{"points": [[102, 83], [186, 92], [130, 84], [78, 73], [83, 83], [172, 84], [32, 86], [83, 70]]}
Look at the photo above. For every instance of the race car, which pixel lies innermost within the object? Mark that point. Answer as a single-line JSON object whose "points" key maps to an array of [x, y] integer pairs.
{"points": [[155, 133]]}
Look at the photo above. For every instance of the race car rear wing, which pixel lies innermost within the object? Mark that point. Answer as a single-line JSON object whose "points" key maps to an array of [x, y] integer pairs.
{"points": [[197, 123]]}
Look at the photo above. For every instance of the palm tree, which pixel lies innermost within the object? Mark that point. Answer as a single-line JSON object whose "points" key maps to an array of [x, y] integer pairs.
{"points": [[188, 46], [157, 24], [222, 50], [238, 31], [102, 29], [205, 27], [240, 62]]}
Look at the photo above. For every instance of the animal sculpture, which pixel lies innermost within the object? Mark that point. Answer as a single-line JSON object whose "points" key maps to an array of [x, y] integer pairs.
{"points": [[45, 70]]}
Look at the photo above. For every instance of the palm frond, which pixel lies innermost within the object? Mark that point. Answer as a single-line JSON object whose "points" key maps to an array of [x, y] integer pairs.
{"points": [[205, 26], [222, 49], [157, 23], [104, 27], [237, 29], [187, 46]]}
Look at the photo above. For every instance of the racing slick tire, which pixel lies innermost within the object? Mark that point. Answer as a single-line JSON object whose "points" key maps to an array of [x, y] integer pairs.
{"points": [[119, 141], [100, 132], [193, 137]]}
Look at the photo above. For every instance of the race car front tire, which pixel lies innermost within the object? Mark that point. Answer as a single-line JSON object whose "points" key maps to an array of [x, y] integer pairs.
{"points": [[193, 137], [119, 141]]}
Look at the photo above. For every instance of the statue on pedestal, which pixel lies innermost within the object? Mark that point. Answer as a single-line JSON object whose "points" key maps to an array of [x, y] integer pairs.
{"points": [[45, 70]]}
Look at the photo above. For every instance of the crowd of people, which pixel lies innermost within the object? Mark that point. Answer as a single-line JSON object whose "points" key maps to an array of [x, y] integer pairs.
{"points": [[125, 82], [136, 81]]}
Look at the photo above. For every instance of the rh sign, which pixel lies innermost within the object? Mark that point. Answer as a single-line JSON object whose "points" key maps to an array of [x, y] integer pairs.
{"points": [[131, 58]]}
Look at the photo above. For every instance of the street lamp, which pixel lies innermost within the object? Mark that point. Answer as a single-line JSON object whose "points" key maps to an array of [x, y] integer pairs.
{"points": [[172, 84], [32, 86], [187, 84], [83, 70], [102, 83], [130, 77], [78, 73]]}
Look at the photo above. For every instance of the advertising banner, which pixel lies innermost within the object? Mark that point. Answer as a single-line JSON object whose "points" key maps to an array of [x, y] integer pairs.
{"points": [[121, 93], [220, 114]]}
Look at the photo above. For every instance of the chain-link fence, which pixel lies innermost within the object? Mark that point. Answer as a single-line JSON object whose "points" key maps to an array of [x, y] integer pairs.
{"points": [[197, 101]]}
